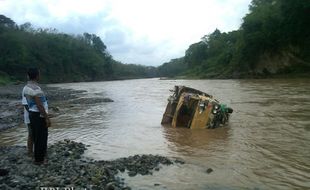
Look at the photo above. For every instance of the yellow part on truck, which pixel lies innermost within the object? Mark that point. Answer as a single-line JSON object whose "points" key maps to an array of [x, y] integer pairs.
{"points": [[194, 109]]}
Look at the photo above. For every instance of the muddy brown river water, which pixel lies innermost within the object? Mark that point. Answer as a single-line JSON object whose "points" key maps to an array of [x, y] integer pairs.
{"points": [[266, 144]]}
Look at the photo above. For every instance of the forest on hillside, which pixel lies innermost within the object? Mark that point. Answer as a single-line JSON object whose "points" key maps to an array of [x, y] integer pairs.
{"points": [[61, 57], [274, 39]]}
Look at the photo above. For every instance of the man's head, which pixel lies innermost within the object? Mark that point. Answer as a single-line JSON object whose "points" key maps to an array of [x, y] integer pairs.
{"points": [[33, 73]]}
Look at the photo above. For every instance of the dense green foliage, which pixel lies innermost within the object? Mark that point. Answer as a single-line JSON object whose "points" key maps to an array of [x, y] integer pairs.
{"points": [[60, 57], [274, 38], [172, 68], [131, 71]]}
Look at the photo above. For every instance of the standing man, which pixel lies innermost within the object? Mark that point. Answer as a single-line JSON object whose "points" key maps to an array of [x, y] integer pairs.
{"points": [[27, 123], [39, 120]]}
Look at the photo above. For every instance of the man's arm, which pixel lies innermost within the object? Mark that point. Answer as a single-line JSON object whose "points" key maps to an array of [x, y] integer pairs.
{"points": [[42, 110]]}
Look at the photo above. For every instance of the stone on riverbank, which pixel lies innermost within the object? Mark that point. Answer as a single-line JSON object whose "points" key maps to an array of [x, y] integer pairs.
{"points": [[90, 100], [67, 168]]}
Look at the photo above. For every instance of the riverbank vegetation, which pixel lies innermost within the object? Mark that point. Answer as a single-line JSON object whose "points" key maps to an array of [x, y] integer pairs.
{"points": [[4, 78], [273, 40], [61, 57]]}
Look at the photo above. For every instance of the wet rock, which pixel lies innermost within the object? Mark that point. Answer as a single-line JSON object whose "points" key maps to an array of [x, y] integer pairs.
{"points": [[110, 186], [209, 170], [126, 188], [66, 154], [55, 109], [90, 100], [121, 169], [132, 173], [65, 170], [5, 187], [4, 172], [178, 161]]}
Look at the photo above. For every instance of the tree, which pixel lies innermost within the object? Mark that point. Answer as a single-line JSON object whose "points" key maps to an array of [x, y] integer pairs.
{"points": [[60, 57], [7, 22], [27, 27]]}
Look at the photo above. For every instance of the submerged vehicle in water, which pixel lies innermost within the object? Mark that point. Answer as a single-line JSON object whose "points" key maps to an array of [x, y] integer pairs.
{"points": [[194, 109]]}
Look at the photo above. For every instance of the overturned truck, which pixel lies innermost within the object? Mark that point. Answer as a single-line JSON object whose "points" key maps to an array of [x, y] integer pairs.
{"points": [[191, 108]]}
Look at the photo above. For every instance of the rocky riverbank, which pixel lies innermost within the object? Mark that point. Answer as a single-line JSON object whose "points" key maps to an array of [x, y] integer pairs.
{"points": [[11, 110], [67, 168]]}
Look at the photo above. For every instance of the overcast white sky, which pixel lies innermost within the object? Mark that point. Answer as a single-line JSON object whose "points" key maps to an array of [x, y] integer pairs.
{"points": [[148, 32]]}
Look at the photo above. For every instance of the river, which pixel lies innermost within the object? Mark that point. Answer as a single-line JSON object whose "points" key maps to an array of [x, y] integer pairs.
{"points": [[266, 144]]}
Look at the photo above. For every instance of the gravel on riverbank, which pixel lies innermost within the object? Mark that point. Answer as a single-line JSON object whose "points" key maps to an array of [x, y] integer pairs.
{"points": [[68, 168]]}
